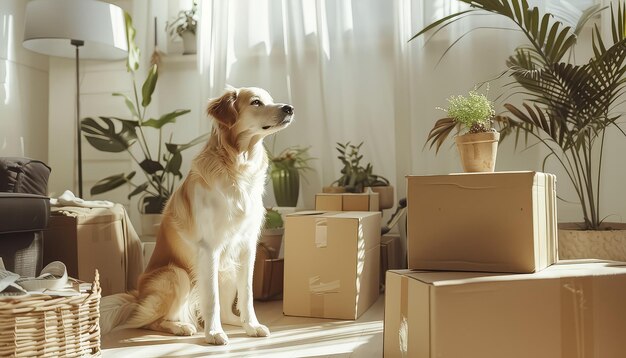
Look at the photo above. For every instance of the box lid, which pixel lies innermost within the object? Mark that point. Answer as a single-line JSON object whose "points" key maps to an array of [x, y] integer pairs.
{"points": [[91, 215], [565, 268], [335, 214]]}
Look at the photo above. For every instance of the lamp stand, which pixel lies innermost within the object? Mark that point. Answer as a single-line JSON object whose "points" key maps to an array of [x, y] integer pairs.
{"points": [[78, 44]]}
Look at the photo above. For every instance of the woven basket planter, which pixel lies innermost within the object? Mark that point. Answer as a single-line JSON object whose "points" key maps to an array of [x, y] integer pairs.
{"points": [[51, 326]]}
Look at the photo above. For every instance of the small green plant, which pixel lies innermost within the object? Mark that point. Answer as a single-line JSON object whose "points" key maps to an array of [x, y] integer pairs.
{"points": [[474, 112], [354, 176], [186, 21], [273, 219]]}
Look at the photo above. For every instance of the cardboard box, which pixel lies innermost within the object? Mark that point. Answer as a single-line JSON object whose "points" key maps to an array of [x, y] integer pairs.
{"points": [[87, 239], [571, 309], [390, 254], [268, 276], [493, 222], [347, 202], [331, 263]]}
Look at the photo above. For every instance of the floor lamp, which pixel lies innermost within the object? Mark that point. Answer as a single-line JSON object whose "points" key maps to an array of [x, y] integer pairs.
{"points": [[86, 29]]}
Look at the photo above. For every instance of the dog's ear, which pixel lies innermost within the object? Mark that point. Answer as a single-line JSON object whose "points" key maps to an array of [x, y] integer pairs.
{"points": [[223, 108]]}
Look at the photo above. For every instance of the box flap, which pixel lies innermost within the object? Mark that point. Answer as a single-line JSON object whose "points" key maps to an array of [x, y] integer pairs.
{"points": [[568, 268]]}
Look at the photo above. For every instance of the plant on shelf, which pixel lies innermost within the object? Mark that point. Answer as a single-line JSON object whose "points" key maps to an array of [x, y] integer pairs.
{"points": [[478, 146], [185, 26], [570, 108], [285, 169], [160, 165]]}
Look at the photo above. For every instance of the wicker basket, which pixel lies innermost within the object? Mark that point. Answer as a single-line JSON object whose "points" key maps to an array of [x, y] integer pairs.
{"points": [[51, 326]]}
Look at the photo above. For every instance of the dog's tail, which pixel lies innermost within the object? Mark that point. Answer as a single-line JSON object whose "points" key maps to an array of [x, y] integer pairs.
{"points": [[116, 309]]}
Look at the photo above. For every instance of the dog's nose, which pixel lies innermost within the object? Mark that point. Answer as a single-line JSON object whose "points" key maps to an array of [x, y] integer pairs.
{"points": [[287, 109]]}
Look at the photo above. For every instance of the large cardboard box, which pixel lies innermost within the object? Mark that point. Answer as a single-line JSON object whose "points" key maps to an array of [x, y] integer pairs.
{"points": [[331, 263], [347, 202], [86, 239], [494, 222], [571, 309]]}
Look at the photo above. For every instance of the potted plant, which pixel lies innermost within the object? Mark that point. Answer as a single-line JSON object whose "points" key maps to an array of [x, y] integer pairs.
{"points": [[161, 164], [268, 278], [478, 147], [185, 26], [355, 178], [569, 107], [285, 169], [272, 232]]}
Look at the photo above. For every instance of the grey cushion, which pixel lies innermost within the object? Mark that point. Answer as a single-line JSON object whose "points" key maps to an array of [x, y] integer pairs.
{"points": [[23, 175]]}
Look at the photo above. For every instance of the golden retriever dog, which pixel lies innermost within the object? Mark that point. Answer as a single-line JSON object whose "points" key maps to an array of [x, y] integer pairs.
{"points": [[206, 244]]}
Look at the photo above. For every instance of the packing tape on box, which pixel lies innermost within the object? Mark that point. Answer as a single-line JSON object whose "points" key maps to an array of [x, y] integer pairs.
{"points": [[403, 332], [318, 291], [577, 323], [321, 233]]}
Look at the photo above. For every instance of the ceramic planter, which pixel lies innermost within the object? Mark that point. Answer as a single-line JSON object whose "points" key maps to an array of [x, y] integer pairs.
{"points": [[607, 244], [286, 184], [189, 43], [478, 151]]}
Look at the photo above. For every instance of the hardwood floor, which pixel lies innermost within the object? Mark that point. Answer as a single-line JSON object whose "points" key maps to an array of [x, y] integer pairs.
{"points": [[291, 337]]}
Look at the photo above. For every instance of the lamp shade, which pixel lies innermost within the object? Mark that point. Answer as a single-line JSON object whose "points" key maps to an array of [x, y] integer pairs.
{"points": [[51, 25]]}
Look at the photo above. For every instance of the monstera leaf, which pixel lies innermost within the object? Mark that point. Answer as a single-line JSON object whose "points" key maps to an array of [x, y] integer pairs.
{"points": [[107, 137], [110, 183], [165, 119]]}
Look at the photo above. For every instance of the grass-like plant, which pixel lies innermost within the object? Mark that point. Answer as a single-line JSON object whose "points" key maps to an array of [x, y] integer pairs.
{"points": [[568, 107], [473, 113]]}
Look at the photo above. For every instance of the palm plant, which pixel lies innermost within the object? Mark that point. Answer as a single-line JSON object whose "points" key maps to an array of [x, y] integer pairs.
{"points": [[568, 107], [112, 134]]}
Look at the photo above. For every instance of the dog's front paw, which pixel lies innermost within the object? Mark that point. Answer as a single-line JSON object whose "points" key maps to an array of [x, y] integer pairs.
{"points": [[256, 330], [218, 338]]}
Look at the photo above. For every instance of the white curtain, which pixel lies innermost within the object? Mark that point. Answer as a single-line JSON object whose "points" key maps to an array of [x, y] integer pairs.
{"points": [[349, 71]]}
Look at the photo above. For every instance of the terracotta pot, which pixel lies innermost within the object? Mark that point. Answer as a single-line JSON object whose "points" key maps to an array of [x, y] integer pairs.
{"points": [[478, 151], [272, 239], [333, 189], [609, 243], [385, 196]]}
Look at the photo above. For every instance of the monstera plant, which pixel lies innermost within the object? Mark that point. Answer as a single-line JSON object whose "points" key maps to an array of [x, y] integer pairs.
{"points": [[160, 165], [567, 107]]}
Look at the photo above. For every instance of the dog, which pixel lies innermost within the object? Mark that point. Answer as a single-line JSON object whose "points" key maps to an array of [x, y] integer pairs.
{"points": [[206, 244]]}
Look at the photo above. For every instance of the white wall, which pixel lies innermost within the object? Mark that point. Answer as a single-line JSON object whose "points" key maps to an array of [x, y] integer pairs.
{"points": [[23, 89]]}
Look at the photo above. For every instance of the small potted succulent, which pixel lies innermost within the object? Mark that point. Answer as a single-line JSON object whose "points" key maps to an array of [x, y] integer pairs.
{"points": [[477, 147], [185, 26]]}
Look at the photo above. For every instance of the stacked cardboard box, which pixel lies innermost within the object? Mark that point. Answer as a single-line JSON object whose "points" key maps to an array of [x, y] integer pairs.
{"points": [[519, 304], [570, 309], [368, 201], [331, 263]]}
